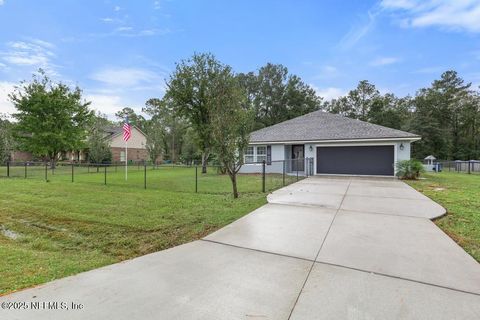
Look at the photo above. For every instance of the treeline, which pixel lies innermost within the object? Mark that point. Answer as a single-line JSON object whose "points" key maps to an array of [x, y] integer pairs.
{"points": [[178, 125], [446, 115]]}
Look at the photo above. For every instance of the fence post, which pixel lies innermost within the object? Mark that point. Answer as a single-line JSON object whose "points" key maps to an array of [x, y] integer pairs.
{"points": [[469, 161], [263, 176], [145, 175], [8, 169], [105, 170], [25, 170], [283, 176], [196, 178], [297, 168], [72, 170], [46, 171]]}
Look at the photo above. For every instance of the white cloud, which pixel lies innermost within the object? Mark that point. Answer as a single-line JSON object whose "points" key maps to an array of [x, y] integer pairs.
{"points": [[156, 5], [2, 2], [5, 89], [107, 20], [453, 15], [125, 77], [383, 61], [356, 33], [110, 103], [329, 93], [116, 8], [121, 29], [34, 52], [107, 104]]}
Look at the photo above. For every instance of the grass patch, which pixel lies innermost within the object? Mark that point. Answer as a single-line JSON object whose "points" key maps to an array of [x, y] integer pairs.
{"points": [[459, 194], [63, 228]]}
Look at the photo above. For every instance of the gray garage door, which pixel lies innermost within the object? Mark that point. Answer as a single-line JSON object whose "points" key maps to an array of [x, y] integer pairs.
{"points": [[362, 160]]}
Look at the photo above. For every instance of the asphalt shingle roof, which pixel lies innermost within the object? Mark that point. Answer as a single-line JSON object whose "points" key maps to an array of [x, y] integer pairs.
{"points": [[320, 125]]}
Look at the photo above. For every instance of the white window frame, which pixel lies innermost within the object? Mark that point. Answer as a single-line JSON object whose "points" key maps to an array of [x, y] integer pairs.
{"points": [[255, 157], [260, 157]]}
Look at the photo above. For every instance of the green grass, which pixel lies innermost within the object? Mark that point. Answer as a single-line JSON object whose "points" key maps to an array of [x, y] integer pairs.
{"points": [[459, 193], [65, 228]]}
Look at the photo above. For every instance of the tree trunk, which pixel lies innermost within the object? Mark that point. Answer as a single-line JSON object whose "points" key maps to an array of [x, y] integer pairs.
{"points": [[204, 162], [233, 177]]}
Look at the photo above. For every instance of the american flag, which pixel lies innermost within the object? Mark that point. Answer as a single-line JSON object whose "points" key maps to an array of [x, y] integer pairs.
{"points": [[127, 130]]}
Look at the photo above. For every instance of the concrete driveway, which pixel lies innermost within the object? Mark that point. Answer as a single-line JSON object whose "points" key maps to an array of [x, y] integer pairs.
{"points": [[323, 248]]}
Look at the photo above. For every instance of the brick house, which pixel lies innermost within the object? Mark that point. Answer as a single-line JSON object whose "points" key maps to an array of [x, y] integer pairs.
{"points": [[136, 145], [114, 135], [136, 148]]}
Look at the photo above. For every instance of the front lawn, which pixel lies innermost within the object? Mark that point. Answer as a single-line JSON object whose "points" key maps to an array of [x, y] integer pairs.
{"points": [[55, 229], [459, 193]]}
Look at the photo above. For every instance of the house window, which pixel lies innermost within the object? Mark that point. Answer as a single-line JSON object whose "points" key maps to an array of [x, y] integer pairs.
{"points": [[255, 154], [249, 155], [122, 156], [261, 153]]}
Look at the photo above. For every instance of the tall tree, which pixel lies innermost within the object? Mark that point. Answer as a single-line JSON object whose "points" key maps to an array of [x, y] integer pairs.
{"points": [[172, 127], [190, 151], [192, 90], [443, 117], [155, 139], [358, 102], [276, 96], [99, 150], [231, 124], [390, 111], [6, 139], [51, 117], [133, 118]]}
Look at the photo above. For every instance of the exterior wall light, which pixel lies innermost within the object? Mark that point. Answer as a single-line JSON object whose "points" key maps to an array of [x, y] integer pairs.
{"points": [[402, 146], [310, 148]]}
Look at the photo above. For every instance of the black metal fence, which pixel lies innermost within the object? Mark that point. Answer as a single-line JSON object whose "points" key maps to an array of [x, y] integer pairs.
{"points": [[470, 167], [173, 177]]}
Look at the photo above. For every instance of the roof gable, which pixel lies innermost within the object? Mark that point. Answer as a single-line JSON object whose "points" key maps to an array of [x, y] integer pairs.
{"points": [[320, 125]]}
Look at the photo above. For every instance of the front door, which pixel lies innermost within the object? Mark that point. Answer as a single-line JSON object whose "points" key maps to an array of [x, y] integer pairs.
{"points": [[298, 155]]}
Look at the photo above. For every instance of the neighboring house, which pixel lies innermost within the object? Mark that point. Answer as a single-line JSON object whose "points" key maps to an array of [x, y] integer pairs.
{"points": [[136, 146], [20, 156], [337, 145]]}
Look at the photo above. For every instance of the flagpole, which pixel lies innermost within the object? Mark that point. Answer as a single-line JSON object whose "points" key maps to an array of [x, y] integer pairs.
{"points": [[126, 160]]}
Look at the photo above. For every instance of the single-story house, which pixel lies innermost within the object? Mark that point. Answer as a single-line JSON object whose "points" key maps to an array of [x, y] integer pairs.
{"points": [[334, 144]]}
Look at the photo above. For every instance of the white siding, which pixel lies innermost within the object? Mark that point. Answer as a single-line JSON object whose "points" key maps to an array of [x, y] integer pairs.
{"points": [[281, 152], [405, 153], [278, 152]]}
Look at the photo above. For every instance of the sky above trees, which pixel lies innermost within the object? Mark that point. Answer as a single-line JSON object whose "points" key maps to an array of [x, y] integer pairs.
{"points": [[120, 52]]}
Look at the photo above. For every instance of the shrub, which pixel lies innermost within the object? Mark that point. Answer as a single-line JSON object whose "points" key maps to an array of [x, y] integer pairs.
{"points": [[409, 169]]}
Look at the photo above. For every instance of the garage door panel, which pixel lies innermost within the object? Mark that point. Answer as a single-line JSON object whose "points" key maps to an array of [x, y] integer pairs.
{"points": [[361, 160]]}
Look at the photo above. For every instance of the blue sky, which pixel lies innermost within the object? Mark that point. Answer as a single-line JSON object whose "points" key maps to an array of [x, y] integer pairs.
{"points": [[121, 52]]}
